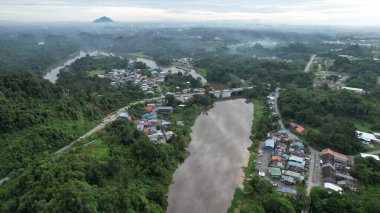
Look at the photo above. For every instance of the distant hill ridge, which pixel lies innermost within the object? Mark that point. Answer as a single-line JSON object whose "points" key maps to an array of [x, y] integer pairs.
{"points": [[103, 19]]}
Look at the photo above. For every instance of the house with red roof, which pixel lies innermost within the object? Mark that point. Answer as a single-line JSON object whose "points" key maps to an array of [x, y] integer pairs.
{"points": [[300, 129], [330, 156]]}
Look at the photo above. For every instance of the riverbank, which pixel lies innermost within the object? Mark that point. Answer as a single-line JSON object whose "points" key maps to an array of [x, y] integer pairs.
{"points": [[258, 113]]}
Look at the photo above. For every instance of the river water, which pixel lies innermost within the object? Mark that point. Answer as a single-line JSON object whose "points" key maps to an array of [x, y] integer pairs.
{"points": [[152, 64], [206, 181], [52, 75]]}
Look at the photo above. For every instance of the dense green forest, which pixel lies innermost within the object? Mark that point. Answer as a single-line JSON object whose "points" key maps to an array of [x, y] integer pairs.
{"points": [[330, 116], [363, 73], [23, 54], [231, 68], [120, 171], [38, 116]]}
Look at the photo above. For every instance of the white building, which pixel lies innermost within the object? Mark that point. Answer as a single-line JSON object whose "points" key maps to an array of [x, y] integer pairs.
{"points": [[365, 155], [358, 91], [333, 187], [367, 137]]}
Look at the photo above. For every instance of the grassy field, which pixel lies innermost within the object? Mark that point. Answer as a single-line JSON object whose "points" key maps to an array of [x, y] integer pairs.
{"points": [[258, 112], [140, 55], [328, 64], [94, 73]]}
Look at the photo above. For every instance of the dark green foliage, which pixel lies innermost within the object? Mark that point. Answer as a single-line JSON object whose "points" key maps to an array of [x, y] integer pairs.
{"points": [[38, 116], [363, 201], [22, 54], [364, 72], [367, 170], [225, 68], [336, 134], [330, 112], [133, 174], [295, 51], [179, 80]]}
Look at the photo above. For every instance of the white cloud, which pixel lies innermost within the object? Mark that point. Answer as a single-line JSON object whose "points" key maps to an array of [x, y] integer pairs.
{"points": [[346, 12]]}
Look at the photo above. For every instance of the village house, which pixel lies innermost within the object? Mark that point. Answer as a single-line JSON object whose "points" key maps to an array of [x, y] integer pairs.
{"points": [[269, 145], [328, 173], [274, 172], [164, 110], [330, 156]]}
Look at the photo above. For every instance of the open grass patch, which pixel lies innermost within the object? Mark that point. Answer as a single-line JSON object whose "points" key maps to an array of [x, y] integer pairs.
{"points": [[94, 73], [140, 55]]}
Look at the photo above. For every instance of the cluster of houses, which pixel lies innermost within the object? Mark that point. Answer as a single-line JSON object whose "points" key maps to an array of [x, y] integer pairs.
{"points": [[149, 123], [288, 161], [121, 76], [334, 177]]}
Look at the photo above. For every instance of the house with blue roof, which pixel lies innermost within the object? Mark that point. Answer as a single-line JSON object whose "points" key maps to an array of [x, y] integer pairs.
{"points": [[298, 145]]}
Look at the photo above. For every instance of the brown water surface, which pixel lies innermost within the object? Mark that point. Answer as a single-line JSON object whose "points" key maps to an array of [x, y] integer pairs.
{"points": [[206, 181]]}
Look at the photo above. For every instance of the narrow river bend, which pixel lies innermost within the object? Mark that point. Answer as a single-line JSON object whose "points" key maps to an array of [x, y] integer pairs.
{"points": [[206, 181]]}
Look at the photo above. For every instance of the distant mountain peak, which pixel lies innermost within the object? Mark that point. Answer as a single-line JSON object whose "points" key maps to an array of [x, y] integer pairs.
{"points": [[103, 19]]}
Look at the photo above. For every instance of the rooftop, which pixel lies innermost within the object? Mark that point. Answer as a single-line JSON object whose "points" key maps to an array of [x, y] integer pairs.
{"points": [[365, 155], [274, 171], [335, 154]]}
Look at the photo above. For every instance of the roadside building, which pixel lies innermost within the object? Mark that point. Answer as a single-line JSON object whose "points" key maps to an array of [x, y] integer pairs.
{"points": [[287, 179], [164, 110], [332, 187], [297, 159], [328, 173], [296, 166], [295, 175], [330, 156], [269, 145], [341, 176], [276, 158], [297, 145], [275, 173]]}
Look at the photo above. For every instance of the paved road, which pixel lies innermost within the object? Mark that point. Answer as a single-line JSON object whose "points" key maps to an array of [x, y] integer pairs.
{"points": [[315, 170], [307, 68], [280, 122], [107, 120]]}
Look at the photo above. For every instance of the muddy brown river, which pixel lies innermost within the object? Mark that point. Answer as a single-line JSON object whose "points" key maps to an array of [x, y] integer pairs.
{"points": [[206, 181]]}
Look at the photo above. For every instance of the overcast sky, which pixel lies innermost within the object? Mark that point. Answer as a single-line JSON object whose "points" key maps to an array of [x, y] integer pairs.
{"points": [[305, 12]]}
